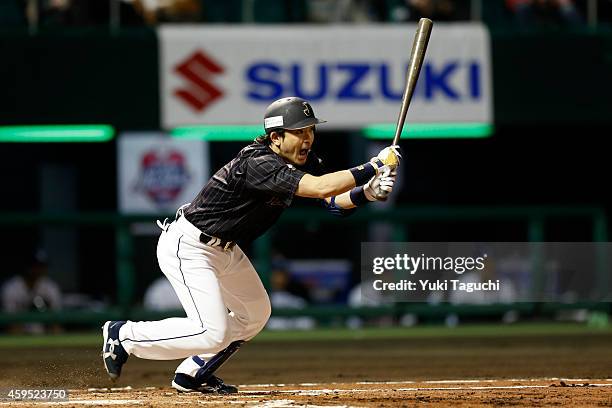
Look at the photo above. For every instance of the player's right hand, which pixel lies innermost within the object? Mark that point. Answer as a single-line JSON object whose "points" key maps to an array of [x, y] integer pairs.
{"points": [[380, 186]]}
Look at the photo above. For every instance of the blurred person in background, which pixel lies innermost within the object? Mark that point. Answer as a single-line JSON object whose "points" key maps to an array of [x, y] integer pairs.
{"points": [[49, 12], [544, 12], [160, 296], [162, 11], [288, 293], [492, 272], [32, 291], [345, 11], [436, 10], [80, 13], [281, 280], [363, 295]]}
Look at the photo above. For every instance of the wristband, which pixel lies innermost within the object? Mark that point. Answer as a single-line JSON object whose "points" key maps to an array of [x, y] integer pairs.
{"points": [[358, 196], [366, 171], [337, 211]]}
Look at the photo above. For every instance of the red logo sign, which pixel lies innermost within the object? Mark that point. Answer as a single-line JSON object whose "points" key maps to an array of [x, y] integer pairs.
{"points": [[196, 70], [163, 175]]}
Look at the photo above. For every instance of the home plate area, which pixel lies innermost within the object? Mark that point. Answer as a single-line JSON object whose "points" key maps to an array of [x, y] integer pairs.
{"points": [[482, 392]]}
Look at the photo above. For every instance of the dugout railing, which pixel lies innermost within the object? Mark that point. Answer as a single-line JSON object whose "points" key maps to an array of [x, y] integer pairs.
{"points": [[534, 217]]}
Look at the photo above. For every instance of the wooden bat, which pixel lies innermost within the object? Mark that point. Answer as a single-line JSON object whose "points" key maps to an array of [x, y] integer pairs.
{"points": [[419, 46]]}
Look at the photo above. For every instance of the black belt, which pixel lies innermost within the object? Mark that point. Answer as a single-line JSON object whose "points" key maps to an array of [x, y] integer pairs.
{"points": [[207, 239], [214, 241]]}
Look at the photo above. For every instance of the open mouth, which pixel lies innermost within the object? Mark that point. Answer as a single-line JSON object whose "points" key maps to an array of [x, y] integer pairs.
{"points": [[303, 153]]}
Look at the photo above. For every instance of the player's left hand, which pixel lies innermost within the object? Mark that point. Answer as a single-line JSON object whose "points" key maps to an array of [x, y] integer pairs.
{"points": [[380, 186]]}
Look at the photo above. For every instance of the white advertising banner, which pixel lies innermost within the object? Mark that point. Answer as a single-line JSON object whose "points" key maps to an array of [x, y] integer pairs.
{"points": [[352, 75], [157, 174]]}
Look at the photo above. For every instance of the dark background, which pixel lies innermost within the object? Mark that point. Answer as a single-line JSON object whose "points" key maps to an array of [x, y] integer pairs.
{"points": [[552, 110]]}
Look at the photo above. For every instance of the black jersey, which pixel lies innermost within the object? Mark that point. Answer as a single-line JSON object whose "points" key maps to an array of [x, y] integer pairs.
{"points": [[246, 196]]}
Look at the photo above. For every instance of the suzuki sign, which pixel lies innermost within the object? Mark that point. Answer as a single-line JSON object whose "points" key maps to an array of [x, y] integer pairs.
{"points": [[353, 75]]}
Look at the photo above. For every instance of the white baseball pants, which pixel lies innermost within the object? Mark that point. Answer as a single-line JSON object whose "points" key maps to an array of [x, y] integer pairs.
{"points": [[208, 281]]}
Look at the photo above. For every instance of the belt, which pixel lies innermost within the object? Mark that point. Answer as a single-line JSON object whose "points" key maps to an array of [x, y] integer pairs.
{"points": [[204, 238], [214, 241]]}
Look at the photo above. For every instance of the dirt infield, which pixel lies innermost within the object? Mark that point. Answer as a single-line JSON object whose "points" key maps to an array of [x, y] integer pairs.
{"points": [[516, 392], [529, 370]]}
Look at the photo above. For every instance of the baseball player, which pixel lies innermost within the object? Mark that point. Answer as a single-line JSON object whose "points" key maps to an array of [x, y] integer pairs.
{"points": [[225, 302]]}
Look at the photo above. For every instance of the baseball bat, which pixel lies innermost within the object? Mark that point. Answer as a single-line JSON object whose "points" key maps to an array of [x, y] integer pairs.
{"points": [[419, 46]]}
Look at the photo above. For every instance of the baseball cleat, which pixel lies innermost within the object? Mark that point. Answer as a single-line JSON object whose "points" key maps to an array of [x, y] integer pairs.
{"points": [[113, 353], [214, 385]]}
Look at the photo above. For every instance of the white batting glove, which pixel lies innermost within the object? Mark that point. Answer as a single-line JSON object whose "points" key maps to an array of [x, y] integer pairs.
{"points": [[380, 186], [390, 156]]}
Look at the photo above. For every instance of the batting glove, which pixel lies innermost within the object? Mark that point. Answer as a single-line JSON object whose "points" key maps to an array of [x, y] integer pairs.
{"points": [[390, 156], [380, 186]]}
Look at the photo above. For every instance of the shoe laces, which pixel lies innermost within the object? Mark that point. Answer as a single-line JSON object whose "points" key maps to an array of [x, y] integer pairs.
{"points": [[214, 381]]}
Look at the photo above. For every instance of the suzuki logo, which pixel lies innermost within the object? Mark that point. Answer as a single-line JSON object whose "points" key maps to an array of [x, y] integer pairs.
{"points": [[352, 81], [197, 70]]}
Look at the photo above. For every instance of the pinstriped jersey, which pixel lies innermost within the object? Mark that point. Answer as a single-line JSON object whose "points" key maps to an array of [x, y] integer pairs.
{"points": [[246, 196]]}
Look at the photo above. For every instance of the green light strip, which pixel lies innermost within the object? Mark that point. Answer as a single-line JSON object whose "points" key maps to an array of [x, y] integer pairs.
{"points": [[430, 130], [232, 133], [218, 133], [56, 133]]}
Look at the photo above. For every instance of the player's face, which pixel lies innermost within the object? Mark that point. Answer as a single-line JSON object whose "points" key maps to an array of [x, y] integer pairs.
{"points": [[296, 144]]}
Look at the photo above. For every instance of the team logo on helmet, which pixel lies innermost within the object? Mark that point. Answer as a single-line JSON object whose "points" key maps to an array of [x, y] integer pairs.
{"points": [[163, 175], [306, 109]]}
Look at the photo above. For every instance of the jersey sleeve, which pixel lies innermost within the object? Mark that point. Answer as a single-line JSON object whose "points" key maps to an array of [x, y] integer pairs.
{"points": [[269, 175]]}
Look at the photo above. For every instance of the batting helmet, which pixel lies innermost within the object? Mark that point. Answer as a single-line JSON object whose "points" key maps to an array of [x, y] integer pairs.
{"points": [[289, 113]]}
